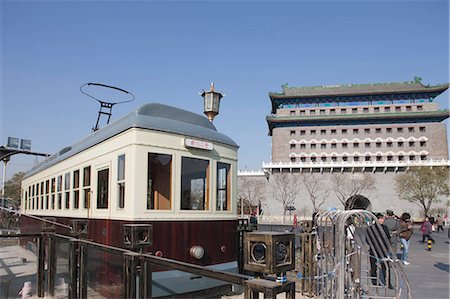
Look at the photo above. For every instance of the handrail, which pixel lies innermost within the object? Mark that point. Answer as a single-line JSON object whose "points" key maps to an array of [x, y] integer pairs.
{"points": [[235, 278]]}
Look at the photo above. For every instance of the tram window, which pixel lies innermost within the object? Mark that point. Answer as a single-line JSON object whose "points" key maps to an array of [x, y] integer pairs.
{"points": [[47, 191], [159, 181], [30, 197], [37, 197], [87, 198], [59, 184], [194, 184], [66, 189], [59, 201], [26, 200], [42, 195], [223, 186], [86, 187], [121, 180], [59, 189], [76, 190], [53, 192], [102, 188]]}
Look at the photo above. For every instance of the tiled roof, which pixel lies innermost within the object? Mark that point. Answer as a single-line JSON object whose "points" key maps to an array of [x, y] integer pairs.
{"points": [[358, 89]]}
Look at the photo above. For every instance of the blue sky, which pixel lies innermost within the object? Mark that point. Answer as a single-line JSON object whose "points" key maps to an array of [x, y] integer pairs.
{"points": [[168, 51]]}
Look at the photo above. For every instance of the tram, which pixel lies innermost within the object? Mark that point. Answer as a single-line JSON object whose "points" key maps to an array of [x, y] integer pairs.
{"points": [[159, 166]]}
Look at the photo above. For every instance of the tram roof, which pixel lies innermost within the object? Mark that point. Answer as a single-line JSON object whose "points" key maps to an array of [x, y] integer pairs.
{"points": [[153, 116]]}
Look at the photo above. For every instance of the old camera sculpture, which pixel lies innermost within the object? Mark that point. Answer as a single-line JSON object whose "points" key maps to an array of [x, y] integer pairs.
{"points": [[269, 253]]}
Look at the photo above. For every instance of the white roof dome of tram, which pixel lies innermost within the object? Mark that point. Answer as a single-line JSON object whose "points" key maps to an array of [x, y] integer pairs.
{"points": [[153, 116]]}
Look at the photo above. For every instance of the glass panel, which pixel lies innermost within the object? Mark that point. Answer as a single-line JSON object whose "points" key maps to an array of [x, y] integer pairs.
{"points": [[223, 183], [168, 283], [59, 201], [159, 183], [87, 176], [67, 200], [67, 181], [121, 192], [76, 199], [61, 282], [76, 179], [87, 198], [194, 182], [121, 168], [102, 189], [59, 185], [104, 270]]}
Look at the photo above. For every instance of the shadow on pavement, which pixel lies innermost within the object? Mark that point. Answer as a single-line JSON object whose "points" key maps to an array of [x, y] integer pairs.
{"points": [[443, 267]]}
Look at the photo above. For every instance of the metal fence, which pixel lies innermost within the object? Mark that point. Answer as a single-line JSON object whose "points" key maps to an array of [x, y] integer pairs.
{"points": [[348, 255]]}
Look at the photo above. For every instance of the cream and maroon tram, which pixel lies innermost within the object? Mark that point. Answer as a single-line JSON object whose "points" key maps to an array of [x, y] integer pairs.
{"points": [[157, 165]]}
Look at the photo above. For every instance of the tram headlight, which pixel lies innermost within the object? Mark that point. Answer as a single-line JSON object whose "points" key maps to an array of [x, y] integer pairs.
{"points": [[197, 252]]}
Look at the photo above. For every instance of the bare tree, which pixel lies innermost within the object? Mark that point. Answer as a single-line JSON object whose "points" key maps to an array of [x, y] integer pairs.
{"points": [[285, 187], [316, 191], [423, 186], [347, 187], [250, 191]]}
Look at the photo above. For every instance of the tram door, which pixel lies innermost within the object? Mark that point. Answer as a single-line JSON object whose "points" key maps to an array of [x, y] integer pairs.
{"points": [[103, 201]]}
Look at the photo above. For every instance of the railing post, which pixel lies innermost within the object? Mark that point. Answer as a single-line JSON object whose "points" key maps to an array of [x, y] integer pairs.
{"points": [[40, 266], [145, 288], [51, 265], [130, 263], [73, 268], [83, 270]]}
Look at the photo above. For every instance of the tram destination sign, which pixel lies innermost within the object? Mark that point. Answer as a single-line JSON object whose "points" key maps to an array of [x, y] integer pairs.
{"points": [[200, 144]]}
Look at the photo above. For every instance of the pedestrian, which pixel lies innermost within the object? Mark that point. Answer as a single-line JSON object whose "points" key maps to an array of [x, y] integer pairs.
{"points": [[440, 223], [433, 228], [406, 230], [426, 230], [378, 240], [446, 220], [393, 224]]}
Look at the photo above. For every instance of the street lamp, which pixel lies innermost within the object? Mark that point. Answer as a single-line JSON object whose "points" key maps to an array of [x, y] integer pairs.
{"points": [[211, 101]]}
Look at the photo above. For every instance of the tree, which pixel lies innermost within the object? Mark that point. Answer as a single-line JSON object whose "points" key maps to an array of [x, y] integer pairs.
{"points": [[13, 188], [251, 192], [285, 187], [423, 186], [347, 187], [317, 194]]}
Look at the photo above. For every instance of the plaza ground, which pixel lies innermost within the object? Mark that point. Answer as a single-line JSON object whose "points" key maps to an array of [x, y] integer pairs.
{"points": [[428, 272]]}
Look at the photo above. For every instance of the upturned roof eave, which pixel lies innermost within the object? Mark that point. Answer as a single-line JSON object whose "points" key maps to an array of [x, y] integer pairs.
{"points": [[432, 89], [272, 120], [439, 113]]}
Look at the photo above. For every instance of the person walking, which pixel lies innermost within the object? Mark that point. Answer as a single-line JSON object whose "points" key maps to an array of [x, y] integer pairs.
{"points": [[393, 224], [378, 240], [440, 223], [426, 230], [406, 230]]}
